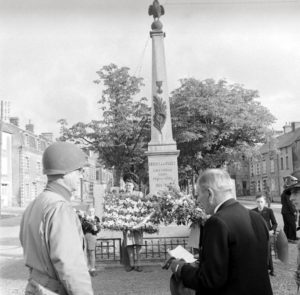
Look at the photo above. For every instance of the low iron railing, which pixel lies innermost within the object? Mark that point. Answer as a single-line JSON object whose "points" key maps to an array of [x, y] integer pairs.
{"points": [[154, 249]]}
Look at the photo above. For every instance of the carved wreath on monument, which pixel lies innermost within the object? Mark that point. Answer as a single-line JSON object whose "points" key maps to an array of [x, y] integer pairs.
{"points": [[160, 112]]}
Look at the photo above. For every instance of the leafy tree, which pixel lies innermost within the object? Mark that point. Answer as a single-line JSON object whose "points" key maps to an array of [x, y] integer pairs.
{"points": [[215, 123], [121, 135]]}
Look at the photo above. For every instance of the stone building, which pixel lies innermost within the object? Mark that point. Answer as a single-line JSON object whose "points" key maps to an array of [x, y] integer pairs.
{"points": [[94, 174], [239, 171], [22, 176], [22, 150], [277, 159]]}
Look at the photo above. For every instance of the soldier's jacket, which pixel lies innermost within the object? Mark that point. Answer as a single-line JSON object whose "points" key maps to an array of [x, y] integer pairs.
{"points": [[52, 240]]}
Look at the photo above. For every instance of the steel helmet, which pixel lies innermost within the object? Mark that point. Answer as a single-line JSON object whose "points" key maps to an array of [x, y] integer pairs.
{"points": [[62, 157]]}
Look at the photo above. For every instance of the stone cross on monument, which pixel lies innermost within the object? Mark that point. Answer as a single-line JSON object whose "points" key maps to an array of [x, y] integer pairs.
{"points": [[162, 150]]}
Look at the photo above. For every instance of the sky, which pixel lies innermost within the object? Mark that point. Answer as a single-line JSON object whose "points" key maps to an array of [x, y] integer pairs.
{"points": [[50, 51]]}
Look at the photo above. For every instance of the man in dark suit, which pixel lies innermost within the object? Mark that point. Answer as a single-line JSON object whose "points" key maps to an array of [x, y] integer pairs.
{"points": [[288, 211], [233, 258], [268, 215]]}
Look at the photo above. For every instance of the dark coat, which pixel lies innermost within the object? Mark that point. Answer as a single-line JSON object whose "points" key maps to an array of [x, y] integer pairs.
{"points": [[234, 254], [88, 225], [268, 216], [288, 207]]}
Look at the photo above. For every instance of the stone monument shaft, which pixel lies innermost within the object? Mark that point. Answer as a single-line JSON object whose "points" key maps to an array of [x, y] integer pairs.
{"points": [[162, 150]]}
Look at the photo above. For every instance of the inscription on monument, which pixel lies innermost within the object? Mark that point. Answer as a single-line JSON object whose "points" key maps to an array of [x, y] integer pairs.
{"points": [[162, 173]]}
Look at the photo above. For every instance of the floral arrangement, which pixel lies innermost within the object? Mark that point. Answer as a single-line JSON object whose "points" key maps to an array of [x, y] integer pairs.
{"points": [[175, 206], [127, 211]]}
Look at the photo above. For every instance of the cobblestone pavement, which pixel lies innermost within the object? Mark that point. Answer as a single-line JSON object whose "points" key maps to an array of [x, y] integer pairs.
{"points": [[110, 281], [153, 280]]}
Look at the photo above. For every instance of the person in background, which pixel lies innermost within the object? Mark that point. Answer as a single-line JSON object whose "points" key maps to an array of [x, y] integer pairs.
{"points": [[268, 196], [289, 212], [234, 245], [133, 238], [50, 231], [91, 227], [268, 215], [293, 188], [80, 214]]}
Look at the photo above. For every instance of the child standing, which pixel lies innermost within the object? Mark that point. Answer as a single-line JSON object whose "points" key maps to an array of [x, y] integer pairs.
{"points": [[91, 227], [268, 215]]}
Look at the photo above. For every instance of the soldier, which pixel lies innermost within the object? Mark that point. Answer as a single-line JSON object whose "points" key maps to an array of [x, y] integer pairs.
{"points": [[50, 232]]}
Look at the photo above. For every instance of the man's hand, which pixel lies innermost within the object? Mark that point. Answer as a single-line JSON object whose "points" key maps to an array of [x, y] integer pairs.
{"points": [[176, 266]]}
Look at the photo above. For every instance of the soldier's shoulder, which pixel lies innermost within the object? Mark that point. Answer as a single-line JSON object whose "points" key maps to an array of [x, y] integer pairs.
{"points": [[50, 201]]}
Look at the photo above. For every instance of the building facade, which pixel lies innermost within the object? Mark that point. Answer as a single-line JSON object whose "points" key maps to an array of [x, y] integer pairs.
{"points": [[94, 174], [22, 177], [276, 160], [239, 171]]}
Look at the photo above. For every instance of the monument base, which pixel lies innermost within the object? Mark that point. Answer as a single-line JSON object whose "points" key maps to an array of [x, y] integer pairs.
{"points": [[163, 169]]}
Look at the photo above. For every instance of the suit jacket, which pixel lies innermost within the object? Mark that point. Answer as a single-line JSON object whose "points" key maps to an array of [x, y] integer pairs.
{"points": [[268, 215], [234, 254]]}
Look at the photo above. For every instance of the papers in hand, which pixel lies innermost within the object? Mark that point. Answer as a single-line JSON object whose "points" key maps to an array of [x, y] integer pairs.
{"points": [[180, 253]]}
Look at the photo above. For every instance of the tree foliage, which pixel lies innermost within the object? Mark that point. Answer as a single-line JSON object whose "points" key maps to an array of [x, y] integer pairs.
{"points": [[215, 123], [121, 135]]}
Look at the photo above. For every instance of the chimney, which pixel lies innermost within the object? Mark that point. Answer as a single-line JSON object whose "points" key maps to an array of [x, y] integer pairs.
{"points": [[14, 121], [29, 127], [48, 136], [287, 128]]}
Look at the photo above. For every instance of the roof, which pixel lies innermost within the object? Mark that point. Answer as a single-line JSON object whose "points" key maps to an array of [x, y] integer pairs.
{"points": [[283, 140]]}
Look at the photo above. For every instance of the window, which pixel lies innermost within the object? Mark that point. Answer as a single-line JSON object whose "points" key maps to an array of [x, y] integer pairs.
{"points": [[42, 145], [5, 162], [258, 186], [38, 168], [27, 191], [264, 184], [257, 169], [272, 165], [34, 190], [286, 162], [97, 175], [272, 184], [26, 140], [251, 169], [32, 142], [281, 163], [4, 189], [264, 167], [26, 164]]}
